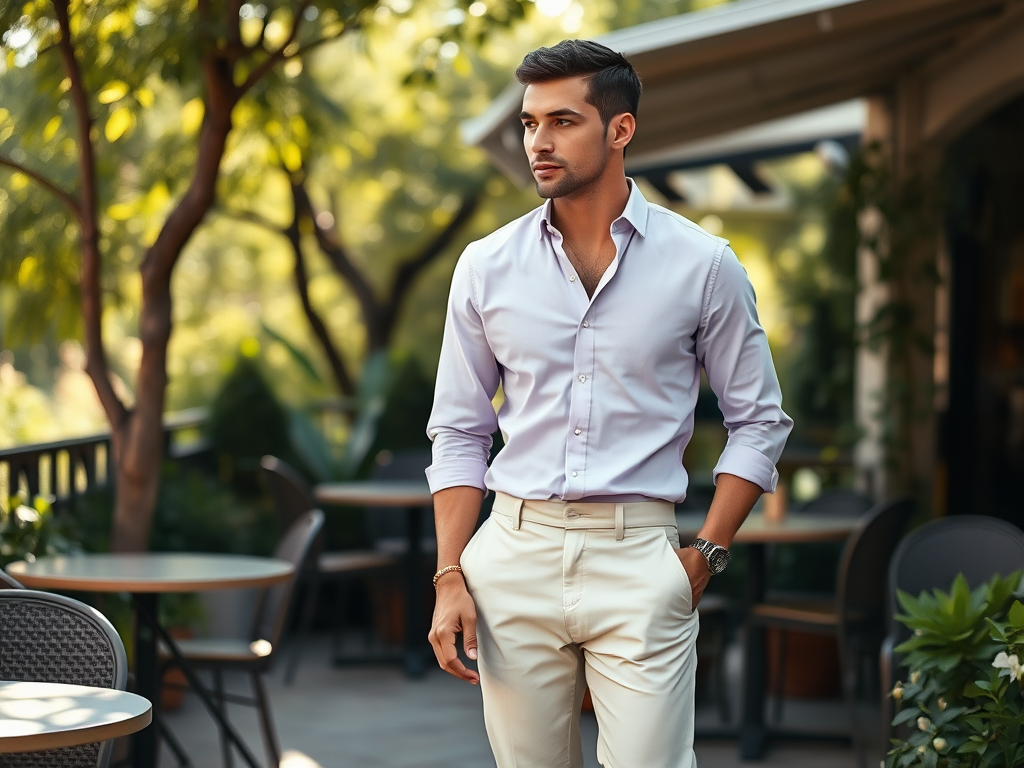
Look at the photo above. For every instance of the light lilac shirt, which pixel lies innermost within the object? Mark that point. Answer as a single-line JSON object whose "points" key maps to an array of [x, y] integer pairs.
{"points": [[600, 391]]}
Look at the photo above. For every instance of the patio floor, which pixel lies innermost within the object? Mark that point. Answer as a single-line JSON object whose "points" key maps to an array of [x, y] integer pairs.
{"points": [[375, 716]]}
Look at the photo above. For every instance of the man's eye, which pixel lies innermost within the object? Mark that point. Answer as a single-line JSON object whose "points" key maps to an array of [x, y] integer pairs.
{"points": [[565, 122]]}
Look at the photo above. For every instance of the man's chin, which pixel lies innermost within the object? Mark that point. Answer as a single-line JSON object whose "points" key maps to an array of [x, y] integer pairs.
{"points": [[551, 189]]}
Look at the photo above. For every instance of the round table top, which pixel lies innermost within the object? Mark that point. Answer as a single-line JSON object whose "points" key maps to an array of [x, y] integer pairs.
{"points": [[794, 528], [39, 716], [150, 572], [376, 493]]}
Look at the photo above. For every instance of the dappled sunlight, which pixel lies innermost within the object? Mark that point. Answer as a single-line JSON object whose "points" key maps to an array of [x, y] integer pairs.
{"points": [[33, 708]]}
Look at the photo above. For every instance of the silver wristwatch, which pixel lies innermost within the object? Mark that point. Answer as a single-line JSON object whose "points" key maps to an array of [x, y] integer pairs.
{"points": [[717, 556]]}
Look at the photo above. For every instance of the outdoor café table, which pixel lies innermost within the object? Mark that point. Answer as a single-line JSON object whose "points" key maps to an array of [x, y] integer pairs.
{"points": [[414, 495], [35, 717], [757, 532], [145, 576]]}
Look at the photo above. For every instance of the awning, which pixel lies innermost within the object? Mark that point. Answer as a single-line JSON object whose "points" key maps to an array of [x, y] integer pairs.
{"points": [[713, 72]]}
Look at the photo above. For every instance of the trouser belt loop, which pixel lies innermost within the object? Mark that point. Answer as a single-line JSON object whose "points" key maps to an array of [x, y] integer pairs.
{"points": [[620, 522], [517, 514]]}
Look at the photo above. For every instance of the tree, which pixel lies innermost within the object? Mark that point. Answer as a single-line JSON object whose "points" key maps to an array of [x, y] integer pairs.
{"points": [[102, 55]]}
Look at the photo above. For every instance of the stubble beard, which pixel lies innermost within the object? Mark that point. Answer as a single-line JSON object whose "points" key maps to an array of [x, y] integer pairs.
{"points": [[572, 180]]}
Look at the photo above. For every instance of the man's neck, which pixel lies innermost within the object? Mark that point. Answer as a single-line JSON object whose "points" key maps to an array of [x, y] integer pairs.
{"points": [[585, 217]]}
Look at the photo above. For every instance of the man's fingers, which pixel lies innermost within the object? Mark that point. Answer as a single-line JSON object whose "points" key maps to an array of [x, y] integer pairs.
{"points": [[455, 666], [469, 636], [443, 643]]}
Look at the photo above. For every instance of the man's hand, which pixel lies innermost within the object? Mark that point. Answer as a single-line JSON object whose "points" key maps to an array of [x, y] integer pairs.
{"points": [[696, 567], [454, 612]]}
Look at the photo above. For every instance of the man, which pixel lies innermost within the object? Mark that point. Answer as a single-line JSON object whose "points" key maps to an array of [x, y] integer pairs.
{"points": [[594, 313]]}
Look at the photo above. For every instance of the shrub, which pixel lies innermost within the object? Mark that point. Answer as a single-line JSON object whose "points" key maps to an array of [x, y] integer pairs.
{"points": [[963, 700]]}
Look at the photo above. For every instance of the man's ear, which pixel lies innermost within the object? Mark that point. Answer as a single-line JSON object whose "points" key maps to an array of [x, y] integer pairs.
{"points": [[622, 128]]}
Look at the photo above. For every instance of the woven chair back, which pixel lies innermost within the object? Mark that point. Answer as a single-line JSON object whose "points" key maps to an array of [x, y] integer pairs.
{"points": [[54, 639]]}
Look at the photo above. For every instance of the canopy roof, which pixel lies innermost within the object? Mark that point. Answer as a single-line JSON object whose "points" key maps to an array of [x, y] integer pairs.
{"points": [[752, 61]]}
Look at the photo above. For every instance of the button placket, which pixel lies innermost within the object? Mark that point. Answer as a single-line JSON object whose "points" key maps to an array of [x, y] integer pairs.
{"points": [[581, 401]]}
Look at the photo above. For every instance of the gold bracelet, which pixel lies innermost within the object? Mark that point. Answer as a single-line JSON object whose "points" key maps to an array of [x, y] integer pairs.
{"points": [[443, 571]]}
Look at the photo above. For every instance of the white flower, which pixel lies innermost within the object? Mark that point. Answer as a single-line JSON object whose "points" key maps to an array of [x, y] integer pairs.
{"points": [[924, 723], [897, 692], [940, 744], [1011, 664], [915, 677]]}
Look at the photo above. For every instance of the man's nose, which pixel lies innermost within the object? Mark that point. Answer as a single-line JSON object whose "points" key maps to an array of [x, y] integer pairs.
{"points": [[540, 142]]}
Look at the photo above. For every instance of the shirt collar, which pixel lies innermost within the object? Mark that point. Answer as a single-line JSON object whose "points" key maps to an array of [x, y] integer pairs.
{"points": [[635, 213]]}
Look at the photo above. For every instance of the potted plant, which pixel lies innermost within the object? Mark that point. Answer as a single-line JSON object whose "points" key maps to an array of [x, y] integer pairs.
{"points": [[963, 702]]}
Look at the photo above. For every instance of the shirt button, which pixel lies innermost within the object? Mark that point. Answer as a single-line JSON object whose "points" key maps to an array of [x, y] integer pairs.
{"points": [[572, 278], [579, 431], [574, 474], [582, 378], [586, 324]]}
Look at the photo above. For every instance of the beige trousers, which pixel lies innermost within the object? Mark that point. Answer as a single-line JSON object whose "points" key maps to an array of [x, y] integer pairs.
{"points": [[564, 589]]}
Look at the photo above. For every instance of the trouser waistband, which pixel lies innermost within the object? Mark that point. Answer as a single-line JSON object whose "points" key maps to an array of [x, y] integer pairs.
{"points": [[586, 515]]}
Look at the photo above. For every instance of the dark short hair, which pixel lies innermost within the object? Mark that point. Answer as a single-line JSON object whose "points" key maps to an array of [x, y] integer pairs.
{"points": [[613, 85]]}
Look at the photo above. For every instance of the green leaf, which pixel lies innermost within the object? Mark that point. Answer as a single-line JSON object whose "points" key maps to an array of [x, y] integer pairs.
{"points": [[297, 354], [1016, 614]]}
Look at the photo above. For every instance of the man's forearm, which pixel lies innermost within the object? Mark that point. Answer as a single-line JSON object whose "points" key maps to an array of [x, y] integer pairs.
{"points": [[733, 500], [455, 514]]}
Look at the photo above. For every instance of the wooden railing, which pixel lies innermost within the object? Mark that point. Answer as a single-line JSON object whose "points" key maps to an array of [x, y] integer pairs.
{"points": [[63, 470]]}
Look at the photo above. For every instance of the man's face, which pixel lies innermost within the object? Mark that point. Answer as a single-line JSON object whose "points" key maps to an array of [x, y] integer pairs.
{"points": [[565, 139]]}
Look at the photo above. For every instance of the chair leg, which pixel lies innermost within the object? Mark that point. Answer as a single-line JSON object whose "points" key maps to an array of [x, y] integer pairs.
{"points": [[305, 625], [849, 674], [184, 761], [266, 722], [218, 691], [721, 689], [341, 600], [780, 681]]}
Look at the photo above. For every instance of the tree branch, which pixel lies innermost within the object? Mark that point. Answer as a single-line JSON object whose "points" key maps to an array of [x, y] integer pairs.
{"points": [[92, 295], [68, 201], [292, 233], [329, 242], [334, 359], [251, 217], [410, 270], [276, 56]]}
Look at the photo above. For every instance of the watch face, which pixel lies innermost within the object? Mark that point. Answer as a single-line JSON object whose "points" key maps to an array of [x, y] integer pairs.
{"points": [[718, 560]]}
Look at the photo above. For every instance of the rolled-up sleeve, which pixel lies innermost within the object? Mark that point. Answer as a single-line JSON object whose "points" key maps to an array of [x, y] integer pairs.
{"points": [[462, 419], [733, 348]]}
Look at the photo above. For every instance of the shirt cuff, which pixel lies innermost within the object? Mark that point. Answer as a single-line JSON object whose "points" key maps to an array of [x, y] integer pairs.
{"points": [[749, 464], [456, 471]]}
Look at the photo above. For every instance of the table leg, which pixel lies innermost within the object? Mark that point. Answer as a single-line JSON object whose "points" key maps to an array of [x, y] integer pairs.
{"points": [[752, 729], [415, 657], [146, 610], [147, 681]]}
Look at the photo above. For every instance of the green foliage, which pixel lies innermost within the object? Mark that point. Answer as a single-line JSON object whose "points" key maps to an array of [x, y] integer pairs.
{"points": [[246, 422], [964, 695], [29, 529], [196, 513], [819, 278]]}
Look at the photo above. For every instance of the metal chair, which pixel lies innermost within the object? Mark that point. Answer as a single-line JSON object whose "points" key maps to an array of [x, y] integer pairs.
{"points": [[292, 497], [9, 582], [856, 615], [54, 639], [931, 557], [256, 657]]}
